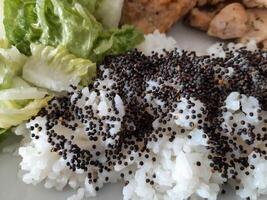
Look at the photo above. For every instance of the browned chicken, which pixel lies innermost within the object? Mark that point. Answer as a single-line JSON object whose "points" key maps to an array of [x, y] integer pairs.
{"points": [[257, 26], [149, 15], [225, 19], [200, 19], [230, 22], [255, 3], [243, 20]]}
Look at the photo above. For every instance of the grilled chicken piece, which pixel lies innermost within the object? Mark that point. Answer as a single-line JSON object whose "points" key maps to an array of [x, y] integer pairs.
{"points": [[149, 15], [230, 22], [200, 19], [257, 26], [255, 3]]}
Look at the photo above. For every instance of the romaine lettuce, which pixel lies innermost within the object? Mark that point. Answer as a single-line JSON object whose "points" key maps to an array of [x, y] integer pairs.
{"points": [[12, 113], [28, 83], [56, 69], [22, 94], [109, 12], [58, 37], [20, 21], [11, 63], [79, 25], [18, 100]]}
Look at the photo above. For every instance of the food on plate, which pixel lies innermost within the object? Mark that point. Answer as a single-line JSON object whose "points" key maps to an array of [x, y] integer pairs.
{"points": [[151, 15], [28, 83], [170, 126], [221, 19], [257, 27], [230, 22], [55, 69], [200, 18], [100, 103], [73, 24], [244, 20], [49, 45], [255, 3], [18, 99]]}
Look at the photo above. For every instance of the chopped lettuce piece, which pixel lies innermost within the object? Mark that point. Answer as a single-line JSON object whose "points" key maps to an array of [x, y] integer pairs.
{"points": [[20, 21], [80, 29], [71, 23], [25, 82], [56, 69], [11, 63], [4, 43], [18, 82], [109, 12], [18, 99], [91, 6], [116, 41], [12, 113], [13, 55], [22, 93]]}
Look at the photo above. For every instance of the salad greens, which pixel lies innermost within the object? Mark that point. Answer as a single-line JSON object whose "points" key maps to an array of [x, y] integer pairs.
{"points": [[87, 28], [12, 113], [11, 63], [109, 13], [27, 83], [56, 69], [18, 100]]}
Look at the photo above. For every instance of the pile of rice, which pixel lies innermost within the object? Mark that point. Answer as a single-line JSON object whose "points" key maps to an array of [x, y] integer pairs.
{"points": [[140, 132]]}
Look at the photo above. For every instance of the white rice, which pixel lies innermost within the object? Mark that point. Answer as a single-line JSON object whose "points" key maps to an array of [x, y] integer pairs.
{"points": [[176, 176], [157, 42], [40, 164], [217, 50]]}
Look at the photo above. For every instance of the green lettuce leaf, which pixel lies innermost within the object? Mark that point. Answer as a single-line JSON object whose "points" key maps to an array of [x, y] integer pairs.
{"points": [[91, 6], [109, 12], [12, 113], [106, 11], [56, 69], [20, 102], [28, 83], [116, 41], [81, 26], [18, 99], [11, 63], [22, 93], [20, 21]]}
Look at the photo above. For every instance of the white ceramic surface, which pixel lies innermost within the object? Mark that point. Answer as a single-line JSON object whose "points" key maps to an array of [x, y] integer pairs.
{"points": [[11, 188]]}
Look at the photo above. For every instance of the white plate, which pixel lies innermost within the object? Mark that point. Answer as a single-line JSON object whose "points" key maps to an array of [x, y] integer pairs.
{"points": [[11, 188]]}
